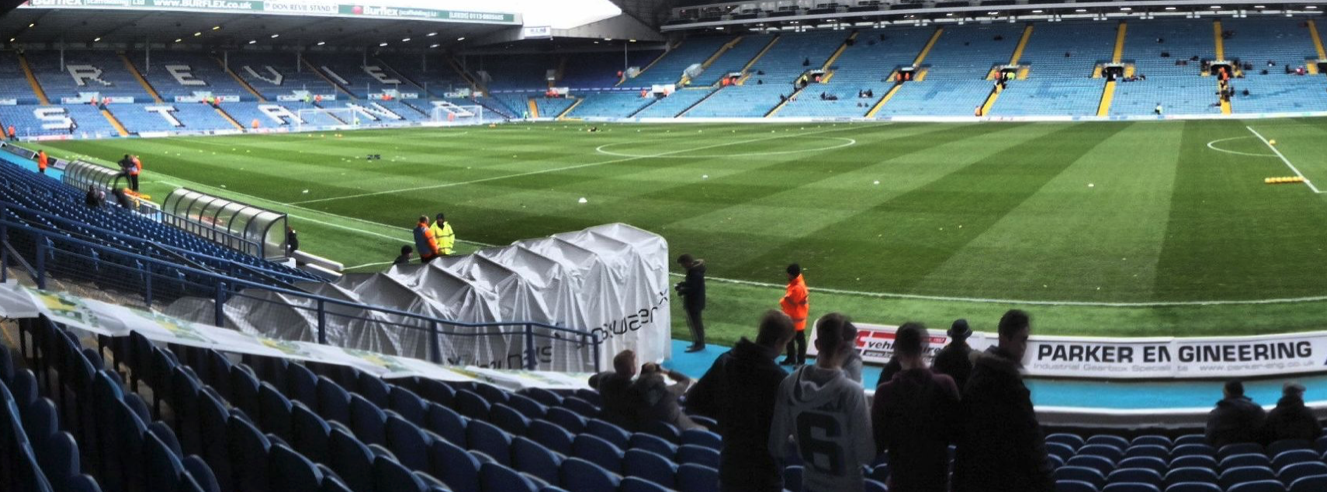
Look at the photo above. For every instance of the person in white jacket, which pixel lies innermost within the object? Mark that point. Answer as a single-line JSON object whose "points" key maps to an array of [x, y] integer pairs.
{"points": [[825, 415]]}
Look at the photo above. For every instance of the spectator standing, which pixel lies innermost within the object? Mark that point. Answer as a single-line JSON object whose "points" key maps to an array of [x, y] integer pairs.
{"points": [[891, 368], [135, 168], [692, 291], [739, 392], [852, 366], [42, 161], [621, 402], [1236, 419], [404, 258], [424, 242], [93, 199], [955, 360], [442, 233], [1291, 419], [13, 135], [292, 241], [825, 413], [1001, 448], [915, 417], [659, 399], [796, 305]]}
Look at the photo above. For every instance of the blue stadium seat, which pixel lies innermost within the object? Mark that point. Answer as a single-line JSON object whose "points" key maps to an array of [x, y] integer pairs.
{"points": [[580, 407], [391, 475], [437, 392], [408, 441], [1191, 439], [1152, 440], [1191, 474], [1278, 447], [579, 475], [1081, 474], [1109, 440], [350, 459], [373, 389], [201, 473], [243, 384], [472, 405], [447, 423], [551, 436], [1321, 444], [663, 430], [274, 411], [1155, 464], [1292, 456], [880, 473], [1134, 475], [492, 393], [1229, 478], [368, 421], [333, 401], [1194, 461], [1071, 440], [408, 405], [1193, 487], [301, 384], [1293, 472], [1062, 450], [1107, 451], [1152, 450], [486, 438], [697, 478], [598, 451], [1241, 448], [1309, 484], [650, 466], [566, 419], [653, 444], [543, 396], [635, 484], [532, 458], [497, 478], [248, 454], [1248, 459], [528, 407], [792, 478], [508, 419], [608, 432], [454, 466], [1192, 449], [704, 438], [1097, 463], [699, 455], [1074, 486], [292, 471], [162, 467], [309, 433], [1258, 486]]}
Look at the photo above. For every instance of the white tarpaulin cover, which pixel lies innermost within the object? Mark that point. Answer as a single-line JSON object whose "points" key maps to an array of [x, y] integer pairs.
{"points": [[610, 279]]}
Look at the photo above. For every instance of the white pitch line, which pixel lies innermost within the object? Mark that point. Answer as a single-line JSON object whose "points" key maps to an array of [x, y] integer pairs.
{"points": [[1212, 145], [366, 265], [554, 170], [919, 297], [1283, 159]]}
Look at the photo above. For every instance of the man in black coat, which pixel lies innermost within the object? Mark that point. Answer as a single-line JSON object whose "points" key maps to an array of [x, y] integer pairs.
{"points": [[622, 403], [1291, 419], [1002, 448], [739, 392], [692, 291], [955, 360], [1236, 419], [914, 417]]}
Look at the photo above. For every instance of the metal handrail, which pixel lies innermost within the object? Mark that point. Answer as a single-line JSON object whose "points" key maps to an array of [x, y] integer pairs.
{"points": [[226, 284]]}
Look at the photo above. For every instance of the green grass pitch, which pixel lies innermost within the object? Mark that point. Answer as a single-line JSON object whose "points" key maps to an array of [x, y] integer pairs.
{"points": [[1109, 229]]}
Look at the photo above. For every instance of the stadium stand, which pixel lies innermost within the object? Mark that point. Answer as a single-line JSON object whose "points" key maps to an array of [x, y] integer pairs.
{"points": [[170, 117], [278, 75], [515, 72], [618, 104], [734, 59], [598, 71], [669, 67], [13, 82], [864, 66], [1173, 80], [551, 107], [434, 75], [1271, 45], [178, 74], [360, 80], [1086, 43], [792, 56], [84, 73], [673, 105]]}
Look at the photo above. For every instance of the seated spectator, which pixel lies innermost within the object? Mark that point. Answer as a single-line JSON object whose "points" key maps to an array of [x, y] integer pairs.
{"points": [[621, 401], [94, 199], [1236, 419], [915, 417], [739, 392], [404, 259], [658, 399], [1291, 419]]}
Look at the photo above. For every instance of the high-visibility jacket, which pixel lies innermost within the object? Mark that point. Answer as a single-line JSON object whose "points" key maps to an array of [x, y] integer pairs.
{"points": [[11, 131], [42, 160], [794, 302], [442, 233], [424, 242], [138, 167]]}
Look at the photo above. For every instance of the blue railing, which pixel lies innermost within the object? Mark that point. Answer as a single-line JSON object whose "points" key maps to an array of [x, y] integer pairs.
{"points": [[45, 254]]}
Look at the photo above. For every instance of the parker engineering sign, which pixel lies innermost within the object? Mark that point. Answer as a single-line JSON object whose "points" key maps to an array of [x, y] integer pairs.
{"points": [[286, 7]]}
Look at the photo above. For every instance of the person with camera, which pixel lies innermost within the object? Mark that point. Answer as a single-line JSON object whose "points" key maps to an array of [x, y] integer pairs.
{"points": [[692, 291]]}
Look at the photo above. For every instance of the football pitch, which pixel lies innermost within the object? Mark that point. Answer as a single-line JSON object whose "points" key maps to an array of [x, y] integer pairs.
{"points": [[1109, 229]]}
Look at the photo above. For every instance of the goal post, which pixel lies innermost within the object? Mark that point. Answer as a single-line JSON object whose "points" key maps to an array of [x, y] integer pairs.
{"points": [[447, 113], [325, 117]]}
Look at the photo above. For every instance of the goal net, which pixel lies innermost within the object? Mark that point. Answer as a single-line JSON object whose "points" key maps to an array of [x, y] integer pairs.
{"points": [[327, 117], [447, 113]]}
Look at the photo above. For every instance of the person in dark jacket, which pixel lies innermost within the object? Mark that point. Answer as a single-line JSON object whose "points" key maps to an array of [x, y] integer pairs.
{"points": [[915, 417], [891, 368], [406, 252], [659, 400], [621, 401], [739, 392], [1291, 419], [1236, 419], [1002, 448], [292, 241], [955, 360], [692, 291]]}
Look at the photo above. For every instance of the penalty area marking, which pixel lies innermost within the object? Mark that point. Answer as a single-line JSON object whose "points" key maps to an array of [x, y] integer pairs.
{"points": [[1212, 145], [844, 142], [1283, 159]]}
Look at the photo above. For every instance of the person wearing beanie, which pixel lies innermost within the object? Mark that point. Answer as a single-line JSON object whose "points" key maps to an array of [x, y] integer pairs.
{"points": [[1291, 419], [955, 360]]}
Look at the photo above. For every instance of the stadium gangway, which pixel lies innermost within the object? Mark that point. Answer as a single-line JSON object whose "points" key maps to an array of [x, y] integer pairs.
{"points": [[278, 278], [47, 255]]}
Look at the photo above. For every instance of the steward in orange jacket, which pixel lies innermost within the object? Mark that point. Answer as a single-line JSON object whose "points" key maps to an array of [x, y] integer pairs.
{"points": [[42, 161], [796, 306]]}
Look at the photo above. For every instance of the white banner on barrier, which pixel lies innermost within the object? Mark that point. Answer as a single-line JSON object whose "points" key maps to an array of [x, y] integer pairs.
{"points": [[1132, 358]]}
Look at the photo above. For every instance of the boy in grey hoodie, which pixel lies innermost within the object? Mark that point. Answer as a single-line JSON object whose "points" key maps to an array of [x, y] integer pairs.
{"points": [[825, 413]]}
